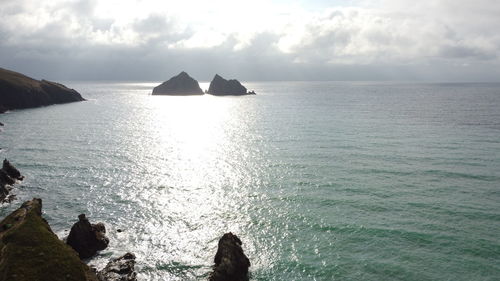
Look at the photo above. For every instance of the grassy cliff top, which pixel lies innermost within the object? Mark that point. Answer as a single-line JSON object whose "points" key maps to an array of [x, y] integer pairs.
{"points": [[30, 251]]}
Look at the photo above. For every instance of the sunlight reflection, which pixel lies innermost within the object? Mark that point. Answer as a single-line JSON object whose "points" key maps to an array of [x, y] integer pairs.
{"points": [[195, 158]]}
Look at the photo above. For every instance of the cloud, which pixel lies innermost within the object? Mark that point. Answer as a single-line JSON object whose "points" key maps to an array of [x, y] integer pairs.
{"points": [[262, 40]]}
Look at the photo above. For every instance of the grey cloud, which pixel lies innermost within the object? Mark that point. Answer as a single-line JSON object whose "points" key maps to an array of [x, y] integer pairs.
{"points": [[342, 44], [465, 52]]}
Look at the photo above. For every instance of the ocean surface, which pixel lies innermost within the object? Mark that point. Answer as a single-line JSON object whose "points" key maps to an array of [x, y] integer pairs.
{"points": [[320, 180]]}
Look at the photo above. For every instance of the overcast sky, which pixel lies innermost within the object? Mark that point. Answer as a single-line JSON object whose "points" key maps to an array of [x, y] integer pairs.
{"points": [[429, 40]]}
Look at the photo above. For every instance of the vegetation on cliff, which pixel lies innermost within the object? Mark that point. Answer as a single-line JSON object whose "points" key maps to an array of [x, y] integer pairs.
{"points": [[29, 250]]}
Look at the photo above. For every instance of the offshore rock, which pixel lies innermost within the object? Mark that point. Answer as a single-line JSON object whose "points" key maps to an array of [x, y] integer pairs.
{"points": [[120, 269], [222, 87], [18, 91], [11, 170], [29, 250], [231, 264], [180, 85], [86, 238], [8, 176]]}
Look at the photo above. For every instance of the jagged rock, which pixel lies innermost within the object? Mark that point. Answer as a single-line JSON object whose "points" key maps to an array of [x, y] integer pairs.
{"points": [[29, 250], [8, 176], [19, 91], [180, 85], [222, 87], [11, 170], [86, 238], [120, 269], [231, 264]]}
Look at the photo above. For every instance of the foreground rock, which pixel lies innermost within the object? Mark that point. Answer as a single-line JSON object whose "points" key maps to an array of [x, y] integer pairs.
{"points": [[29, 250], [8, 176], [86, 238], [222, 87], [180, 85], [120, 269], [19, 91], [231, 264]]}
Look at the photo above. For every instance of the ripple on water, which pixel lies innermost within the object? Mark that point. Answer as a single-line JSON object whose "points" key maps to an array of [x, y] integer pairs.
{"points": [[321, 181]]}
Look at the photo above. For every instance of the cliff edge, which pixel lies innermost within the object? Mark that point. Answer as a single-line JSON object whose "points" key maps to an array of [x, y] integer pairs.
{"points": [[29, 250], [19, 91]]}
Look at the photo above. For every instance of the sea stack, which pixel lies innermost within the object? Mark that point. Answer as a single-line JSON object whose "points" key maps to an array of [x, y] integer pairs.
{"points": [[86, 238], [180, 85], [18, 91], [8, 176], [231, 263], [222, 87]]}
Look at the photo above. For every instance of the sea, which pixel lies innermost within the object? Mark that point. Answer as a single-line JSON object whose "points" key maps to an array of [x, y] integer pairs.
{"points": [[320, 180]]}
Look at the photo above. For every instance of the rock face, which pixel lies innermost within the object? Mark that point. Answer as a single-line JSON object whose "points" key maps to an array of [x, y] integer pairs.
{"points": [[222, 87], [231, 264], [86, 238], [180, 85], [19, 91], [120, 269], [29, 250], [8, 176]]}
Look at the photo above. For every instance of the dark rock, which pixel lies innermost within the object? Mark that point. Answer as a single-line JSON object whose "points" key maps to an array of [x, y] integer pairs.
{"points": [[231, 264], [119, 230], [222, 87], [86, 238], [11, 170], [29, 250], [19, 91], [1, 124], [120, 269], [180, 85], [8, 176], [5, 178]]}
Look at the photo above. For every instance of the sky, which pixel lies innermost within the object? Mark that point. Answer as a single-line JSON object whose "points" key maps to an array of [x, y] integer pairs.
{"points": [[257, 40]]}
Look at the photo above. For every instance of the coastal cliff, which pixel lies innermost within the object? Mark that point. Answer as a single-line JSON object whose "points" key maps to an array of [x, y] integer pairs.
{"points": [[29, 250], [18, 91], [180, 85]]}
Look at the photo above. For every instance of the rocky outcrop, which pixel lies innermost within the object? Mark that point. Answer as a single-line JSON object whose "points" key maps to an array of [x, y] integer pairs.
{"points": [[8, 176], [29, 250], [231, 264], [222, 87], [86, 238], [120, 269], [18, 91], [180, 85]]}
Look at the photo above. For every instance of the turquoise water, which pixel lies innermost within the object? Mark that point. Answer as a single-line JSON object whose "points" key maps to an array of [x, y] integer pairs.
{"points": [[321, 180]]}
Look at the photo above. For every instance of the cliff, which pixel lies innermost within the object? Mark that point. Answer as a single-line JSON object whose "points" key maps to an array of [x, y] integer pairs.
{"points": [[222, 87], [18, 91], [180, 85], [29, 250]]}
